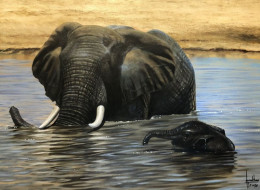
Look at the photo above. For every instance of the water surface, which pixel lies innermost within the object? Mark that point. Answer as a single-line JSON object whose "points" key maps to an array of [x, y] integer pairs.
{"points": [[228, 93]]}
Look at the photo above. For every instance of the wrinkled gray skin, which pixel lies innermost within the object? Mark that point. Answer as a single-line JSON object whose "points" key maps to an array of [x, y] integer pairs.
{"points": [[195, 136], [134, 74]]}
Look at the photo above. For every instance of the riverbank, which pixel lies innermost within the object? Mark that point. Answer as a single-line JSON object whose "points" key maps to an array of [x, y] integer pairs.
{"points": [[29, 54], [204, 26]]}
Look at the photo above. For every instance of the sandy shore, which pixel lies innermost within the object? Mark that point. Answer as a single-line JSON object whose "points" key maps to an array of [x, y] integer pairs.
{"points": [[214, 25]]}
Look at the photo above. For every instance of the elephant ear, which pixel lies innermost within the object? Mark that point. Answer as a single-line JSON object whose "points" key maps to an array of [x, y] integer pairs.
{"points": [[47, 64], [147, 67], [144, 72]]}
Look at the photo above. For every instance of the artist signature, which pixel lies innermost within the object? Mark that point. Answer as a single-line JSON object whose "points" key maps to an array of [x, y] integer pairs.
{"points": [[253, 182]]}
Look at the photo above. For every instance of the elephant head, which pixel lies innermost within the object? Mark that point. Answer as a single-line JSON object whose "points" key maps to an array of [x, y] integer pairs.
{"points": [[195, 136], [69, 67], [89, 69]]}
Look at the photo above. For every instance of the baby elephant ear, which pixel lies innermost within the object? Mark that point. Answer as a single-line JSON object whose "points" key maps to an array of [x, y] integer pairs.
{"points": [[145, 72], [47, 64]]}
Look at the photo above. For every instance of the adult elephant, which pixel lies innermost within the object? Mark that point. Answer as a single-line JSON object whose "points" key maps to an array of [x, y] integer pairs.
{"points": [[130, 74]]}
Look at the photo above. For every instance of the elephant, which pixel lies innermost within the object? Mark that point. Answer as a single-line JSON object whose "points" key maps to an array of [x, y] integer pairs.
{"points": [[96, 74], [195, 136]]}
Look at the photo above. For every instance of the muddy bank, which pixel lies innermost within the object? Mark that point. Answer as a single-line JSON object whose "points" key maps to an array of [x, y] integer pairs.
{"points": [[207, 25]]}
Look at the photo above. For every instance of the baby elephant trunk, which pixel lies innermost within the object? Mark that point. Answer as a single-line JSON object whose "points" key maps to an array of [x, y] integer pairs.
{"points": [[164, 134]]}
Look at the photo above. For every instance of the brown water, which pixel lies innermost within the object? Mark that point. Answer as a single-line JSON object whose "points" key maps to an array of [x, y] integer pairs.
{"points": [[228, 93]]}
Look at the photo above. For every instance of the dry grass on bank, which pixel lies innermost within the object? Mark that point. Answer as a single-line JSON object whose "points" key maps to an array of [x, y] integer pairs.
{"points": [[205, 24]]}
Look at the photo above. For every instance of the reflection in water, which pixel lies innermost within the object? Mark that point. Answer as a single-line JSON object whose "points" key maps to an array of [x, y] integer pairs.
{"points": [[227, 96], [73, 158]]}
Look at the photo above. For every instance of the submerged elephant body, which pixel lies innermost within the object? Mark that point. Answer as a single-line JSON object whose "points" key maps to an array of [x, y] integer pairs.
{"points": [[131, 74]]}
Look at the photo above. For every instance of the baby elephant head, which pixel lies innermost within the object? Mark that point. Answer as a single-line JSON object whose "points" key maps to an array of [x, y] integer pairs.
{"points": [[195, 136]]}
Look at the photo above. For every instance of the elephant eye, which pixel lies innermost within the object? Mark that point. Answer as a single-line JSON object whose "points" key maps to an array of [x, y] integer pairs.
{"points": [[186, 135]]}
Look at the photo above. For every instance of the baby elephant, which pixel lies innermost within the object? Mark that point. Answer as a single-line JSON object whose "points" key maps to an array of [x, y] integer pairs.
{"points": [[195, 136]]}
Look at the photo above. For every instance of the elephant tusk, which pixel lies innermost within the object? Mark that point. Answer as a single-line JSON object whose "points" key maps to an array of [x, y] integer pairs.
{"points": [[99, 117], [50, 118]]}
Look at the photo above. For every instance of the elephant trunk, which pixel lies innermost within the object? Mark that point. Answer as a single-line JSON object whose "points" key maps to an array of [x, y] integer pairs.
{"points": [[165, 134], [82, 86]]}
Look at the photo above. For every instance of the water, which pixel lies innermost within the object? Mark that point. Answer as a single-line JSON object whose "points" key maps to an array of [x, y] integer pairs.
{"points": [[228, 93]]}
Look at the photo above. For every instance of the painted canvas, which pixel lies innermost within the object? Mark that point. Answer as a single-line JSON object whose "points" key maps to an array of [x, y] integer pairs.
{"points": [[187, 72]]}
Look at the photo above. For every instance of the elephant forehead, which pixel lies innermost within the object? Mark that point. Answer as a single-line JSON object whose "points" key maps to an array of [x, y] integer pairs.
{"points": [[101, 34]]}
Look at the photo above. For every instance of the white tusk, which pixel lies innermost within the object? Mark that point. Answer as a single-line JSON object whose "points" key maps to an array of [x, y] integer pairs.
{"points": [[99, 117], [50, 118]]}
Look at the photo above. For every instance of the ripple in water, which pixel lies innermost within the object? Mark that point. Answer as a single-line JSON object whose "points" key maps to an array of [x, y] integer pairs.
{"points": [[113, 157]]}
